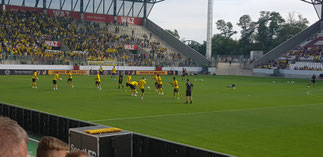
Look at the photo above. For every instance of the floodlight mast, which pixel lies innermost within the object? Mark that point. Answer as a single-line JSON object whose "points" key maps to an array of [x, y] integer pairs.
{"points": [[209, 30], [314, 3]]}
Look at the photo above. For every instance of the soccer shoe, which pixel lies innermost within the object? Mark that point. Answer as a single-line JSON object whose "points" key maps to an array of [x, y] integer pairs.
{"points": [[142, 98], [162, 93], [135, 95], [73, 86], [131, 94]]}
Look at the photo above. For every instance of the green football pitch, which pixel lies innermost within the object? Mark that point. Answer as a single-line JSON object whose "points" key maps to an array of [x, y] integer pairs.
{"points": [[262, 117]]}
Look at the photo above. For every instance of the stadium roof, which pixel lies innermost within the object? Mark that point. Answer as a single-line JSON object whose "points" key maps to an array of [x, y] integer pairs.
{"points": [[318, 5], [133, 8]]}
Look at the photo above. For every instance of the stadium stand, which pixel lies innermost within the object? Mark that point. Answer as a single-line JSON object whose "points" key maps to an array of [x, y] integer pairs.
{"points": [[305, 56], [29, 38], [303, 47]]}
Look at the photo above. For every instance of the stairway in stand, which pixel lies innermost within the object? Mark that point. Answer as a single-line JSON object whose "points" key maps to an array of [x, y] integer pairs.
{"points": [[233, 69]]}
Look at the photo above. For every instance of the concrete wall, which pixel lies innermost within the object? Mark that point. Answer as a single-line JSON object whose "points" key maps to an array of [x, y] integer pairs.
{"points": [[287, 73]]}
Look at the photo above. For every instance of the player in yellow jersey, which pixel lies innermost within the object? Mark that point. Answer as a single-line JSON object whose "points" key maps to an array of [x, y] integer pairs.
{"points": [[69, 80], [156, 84], [128, 82], [114, 73], [133, 86], [98, 81], [142, 83], [56, 77], [176, 87], [159, 85], [34, 80]]}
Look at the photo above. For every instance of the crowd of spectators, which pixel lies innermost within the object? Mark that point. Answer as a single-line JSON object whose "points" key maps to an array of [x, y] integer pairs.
{"points": [[272, 64], [304, 54], [291, 59], [23, 36]]}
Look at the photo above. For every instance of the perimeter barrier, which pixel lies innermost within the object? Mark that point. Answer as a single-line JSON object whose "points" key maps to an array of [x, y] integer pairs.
{"points": [[46, 124]]}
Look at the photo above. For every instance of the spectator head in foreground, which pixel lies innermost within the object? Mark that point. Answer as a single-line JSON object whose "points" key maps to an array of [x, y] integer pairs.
{"points": [[77, 154], [51, 147], [13, 139]]}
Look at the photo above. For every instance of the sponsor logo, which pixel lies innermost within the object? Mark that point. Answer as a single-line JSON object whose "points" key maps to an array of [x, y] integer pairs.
{"points": [[61, 13], [53, 43], [131, 47], [151, 72], [129, 20], [65, 72], [7, 72]]}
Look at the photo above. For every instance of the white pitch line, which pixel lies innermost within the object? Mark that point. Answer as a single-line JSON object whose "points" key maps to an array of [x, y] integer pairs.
{"points": [[197, 113], [34, 140]]}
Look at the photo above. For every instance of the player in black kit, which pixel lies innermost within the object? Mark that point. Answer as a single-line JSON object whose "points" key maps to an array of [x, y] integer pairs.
{"points": [[313, 80], [189, 87], [120, 80]]}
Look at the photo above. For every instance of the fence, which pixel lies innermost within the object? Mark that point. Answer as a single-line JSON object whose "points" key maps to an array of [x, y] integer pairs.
{"points": [[46, 124]]}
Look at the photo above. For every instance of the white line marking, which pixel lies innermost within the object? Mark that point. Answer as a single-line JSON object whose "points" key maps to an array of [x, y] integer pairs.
{"points": [[197, 113], [34, 140]]}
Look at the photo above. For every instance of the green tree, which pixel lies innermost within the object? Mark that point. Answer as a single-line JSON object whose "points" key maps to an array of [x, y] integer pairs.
{"points": [[247, 34], [294, 24], [269, 26], [269, 31], [224, 46], [225, 28], [173, 33], [194, 45]]}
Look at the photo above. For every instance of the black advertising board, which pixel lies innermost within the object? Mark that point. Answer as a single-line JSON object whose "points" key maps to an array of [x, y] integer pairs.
{"points": [[22, 72], [109, 72], [117, 144]]}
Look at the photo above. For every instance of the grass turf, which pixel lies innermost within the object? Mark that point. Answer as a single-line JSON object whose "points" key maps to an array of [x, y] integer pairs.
{"points": [[259, 118]]}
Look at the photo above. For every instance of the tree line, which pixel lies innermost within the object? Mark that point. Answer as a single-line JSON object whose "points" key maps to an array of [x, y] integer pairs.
{"points": [[269, 31]]}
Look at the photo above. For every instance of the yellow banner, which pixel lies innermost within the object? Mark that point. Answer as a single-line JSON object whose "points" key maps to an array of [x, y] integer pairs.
{"points": [[65, 72], [151, 72]]}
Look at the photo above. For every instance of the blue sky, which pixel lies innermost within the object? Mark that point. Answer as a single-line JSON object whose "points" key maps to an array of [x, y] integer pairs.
{"points": [[189, 17]]}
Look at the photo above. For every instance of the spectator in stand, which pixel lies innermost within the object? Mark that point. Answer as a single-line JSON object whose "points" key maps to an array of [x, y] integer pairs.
{"points": [[13, 139], [51, 147]]}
